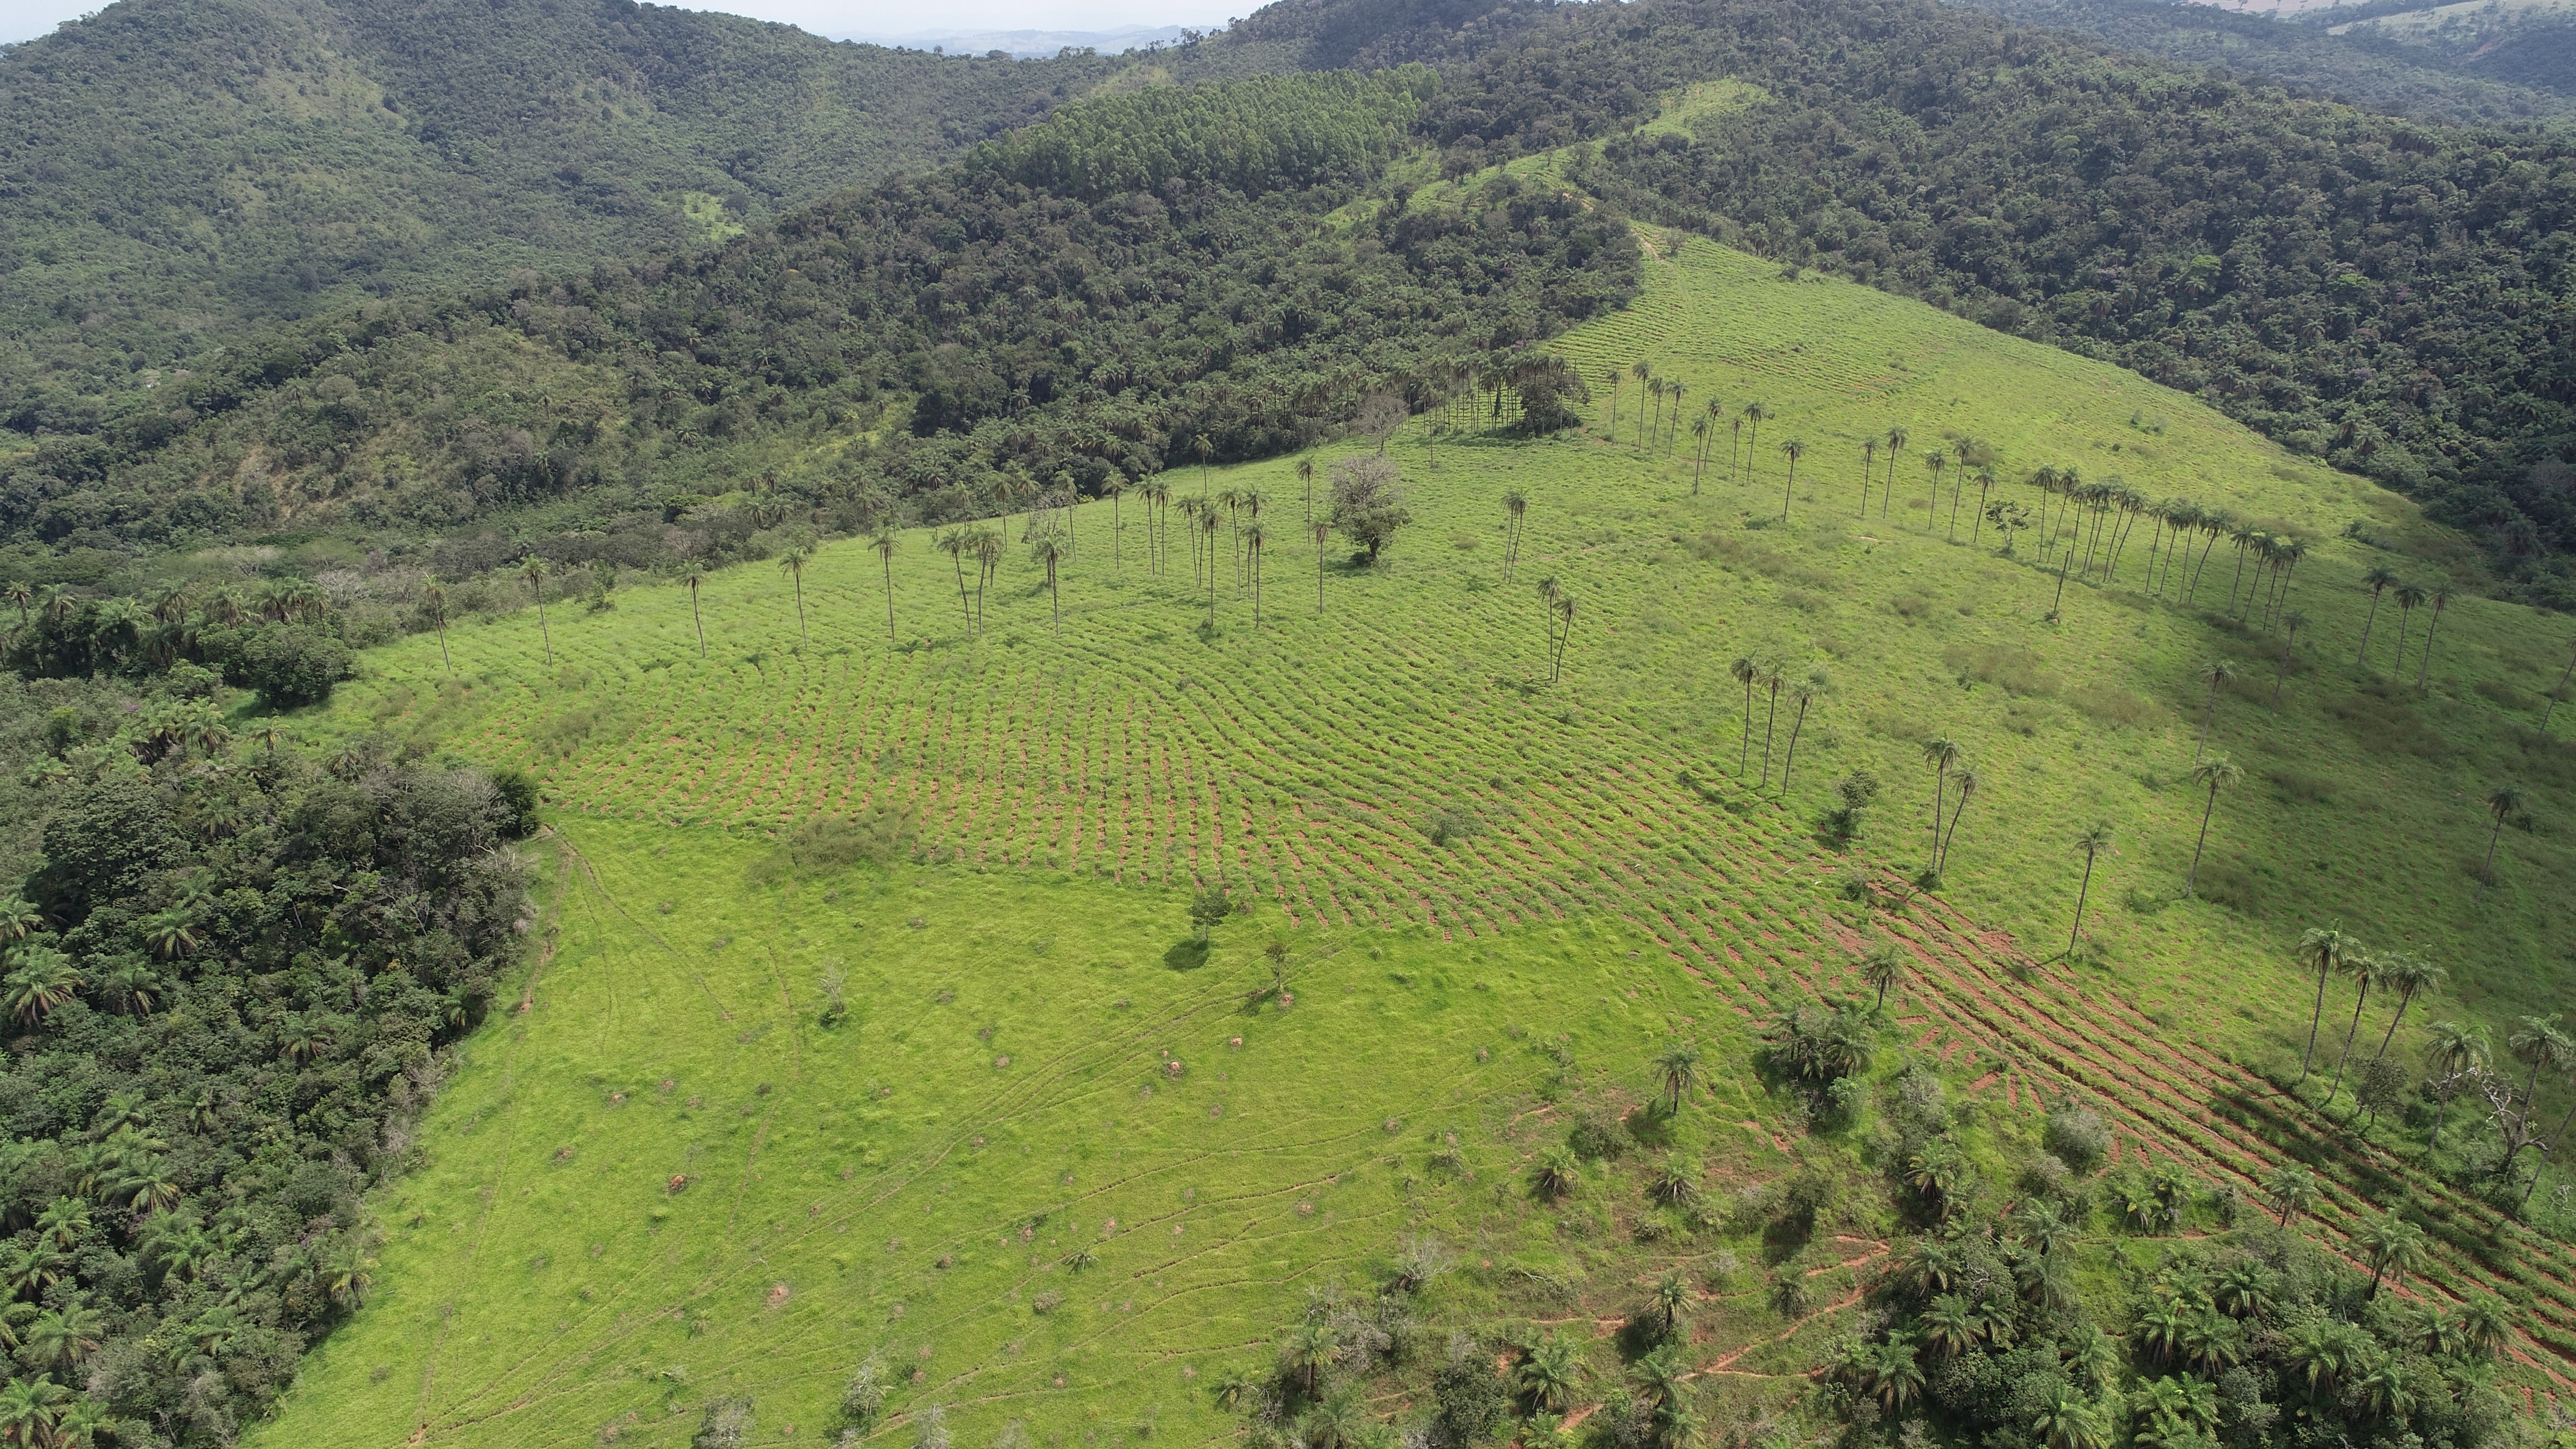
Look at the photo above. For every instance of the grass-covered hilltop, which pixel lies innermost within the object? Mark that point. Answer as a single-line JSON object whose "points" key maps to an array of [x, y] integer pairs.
{"points": [[1434, 724]]}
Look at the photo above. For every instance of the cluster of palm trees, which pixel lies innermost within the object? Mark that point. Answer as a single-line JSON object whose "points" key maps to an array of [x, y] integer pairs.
{"points": [[2464, 1057], [2383, 581], [1559, 610], [1948, 762], [2331, 953], [1771, 675], [162, 625]]}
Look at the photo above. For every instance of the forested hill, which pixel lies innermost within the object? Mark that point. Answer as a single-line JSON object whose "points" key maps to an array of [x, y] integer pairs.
{"points": [[175, 172]]}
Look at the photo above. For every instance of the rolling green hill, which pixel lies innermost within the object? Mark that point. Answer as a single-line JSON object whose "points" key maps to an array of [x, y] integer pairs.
{"points": [[174, 173], [663, 1185]]}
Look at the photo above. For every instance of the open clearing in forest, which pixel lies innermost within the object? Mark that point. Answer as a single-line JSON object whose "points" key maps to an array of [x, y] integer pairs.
{"points": [[1399, 774]]}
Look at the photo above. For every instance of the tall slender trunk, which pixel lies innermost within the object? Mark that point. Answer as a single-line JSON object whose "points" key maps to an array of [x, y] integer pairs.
{"points": [[2192, 880], [1941, 862], [2486, 868], [957, 561], [2193, 592], [2404, 1000], [1770, 723], [2316, 1018], [1792, 758], [2367, 621], [2439, 1112], [889, 581], [1957, 487], [1977, 520], [2424, 671], [1746, 762], [542, 631], [2060, 596], [2208, 717], [2081, 892], [1940, 782], [451, 664], [2563, 676], [2239, 581], [2155, 541], [2358, 1002]]}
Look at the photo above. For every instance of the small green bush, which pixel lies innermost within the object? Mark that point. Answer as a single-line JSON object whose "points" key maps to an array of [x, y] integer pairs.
{"points": [[2078, 1138]]}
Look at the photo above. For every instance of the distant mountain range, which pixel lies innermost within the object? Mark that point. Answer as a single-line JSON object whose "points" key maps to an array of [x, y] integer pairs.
{"points": [[1024, 44]]}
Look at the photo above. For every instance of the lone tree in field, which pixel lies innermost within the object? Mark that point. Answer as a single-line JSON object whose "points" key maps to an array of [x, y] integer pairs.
{"points": [[1209, 908], [1774, 675], [1755, 414], [1514, 508], [2216, 674], [695, 575], [792, 563], [2441, 600], [1368, 503], [2281, 667], [1793, 450], [534, 571], [2294, 1188], [1967, 783], [2093, 844], [1048, 552], [2378, 581], [1806, 692], [2213, 774], [433, 597], [1564, 634], [2503, 803], [883, 545], [2325, 948], [1746, 670], [1883, 966], [1868, 461], [1306, 476], [1940, 752], [2364, 970], [1679, 1069]]}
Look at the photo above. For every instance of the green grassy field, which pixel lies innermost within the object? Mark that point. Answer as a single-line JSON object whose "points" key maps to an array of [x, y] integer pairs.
{"points": [[1399, 773]]}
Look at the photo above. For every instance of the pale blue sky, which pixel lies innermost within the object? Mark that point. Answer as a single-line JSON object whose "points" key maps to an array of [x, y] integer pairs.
{"points": [[24, 19]]}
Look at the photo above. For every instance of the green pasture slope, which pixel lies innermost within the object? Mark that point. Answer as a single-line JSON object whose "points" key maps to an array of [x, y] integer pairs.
{"points": [[1455, 847]]}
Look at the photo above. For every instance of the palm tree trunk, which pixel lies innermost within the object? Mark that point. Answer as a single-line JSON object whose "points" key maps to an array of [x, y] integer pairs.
{"points": [[2403, 1001], [800, 609], [698, 619], [2424, 671], [2061, 580], [2192, 879], [2486, 869], [1941, 861], [545, 633], [2081, 892], [2363, 659], [442, 644], [1940, 780], [2208, 717], [1746, 762], [2315, 1018], [889, 581], [2357, 1003], [2239, 581], [1977, 520], [1770, 724], [1795, 725], [2438, 1113], [1791, 488], [2563, 676]]}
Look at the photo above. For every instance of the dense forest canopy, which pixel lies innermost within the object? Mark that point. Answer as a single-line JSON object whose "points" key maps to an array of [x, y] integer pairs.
{"points": [[176, 173], [228, 988]]}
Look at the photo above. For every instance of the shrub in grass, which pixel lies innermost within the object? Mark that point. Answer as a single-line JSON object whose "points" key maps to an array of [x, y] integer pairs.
{"points": [[2078, 1139], [726, 1424], [1471, 1397], [1675, 1180], [1557, 1173], [823, 845], [291, 665], [1599, 1134]]}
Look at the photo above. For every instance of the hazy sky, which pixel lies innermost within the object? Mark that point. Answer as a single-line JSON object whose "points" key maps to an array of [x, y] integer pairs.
{"points": [[23, 19]]}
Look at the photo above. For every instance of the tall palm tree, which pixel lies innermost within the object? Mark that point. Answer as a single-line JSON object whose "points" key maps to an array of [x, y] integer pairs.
{"points": [[1793, 450], [1323, 529], [2455, 1050], [1745, 670], [1806, 692], [2441, 599], [2409, 599], [1312, 1348], [1048, 552], [987, 546], [2216, 674], [1897, 438], [1655, 389], [1774, 675], [1967, 782], [1515, 507], [433, 596], [1306, 476], [1564, 635], [2503, 803], [2378, 581], [22, 594], [1976, 521], [1755, 415], [2395, 1246], [1868, 461], [2557, 694], [1645, 380], [1614, 377], [2364, 969], [1673, 429], [1699, 452], [1938, 462], [792, 563], [1940, 752], [534, 571], [1252, 548], [2537, 1041], [2092, 845], [2325, 948], [957, 543], [1116, 487], [2214, 774], [883, 546], [1207, 529], [2295, 620], [2408, 976]]}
